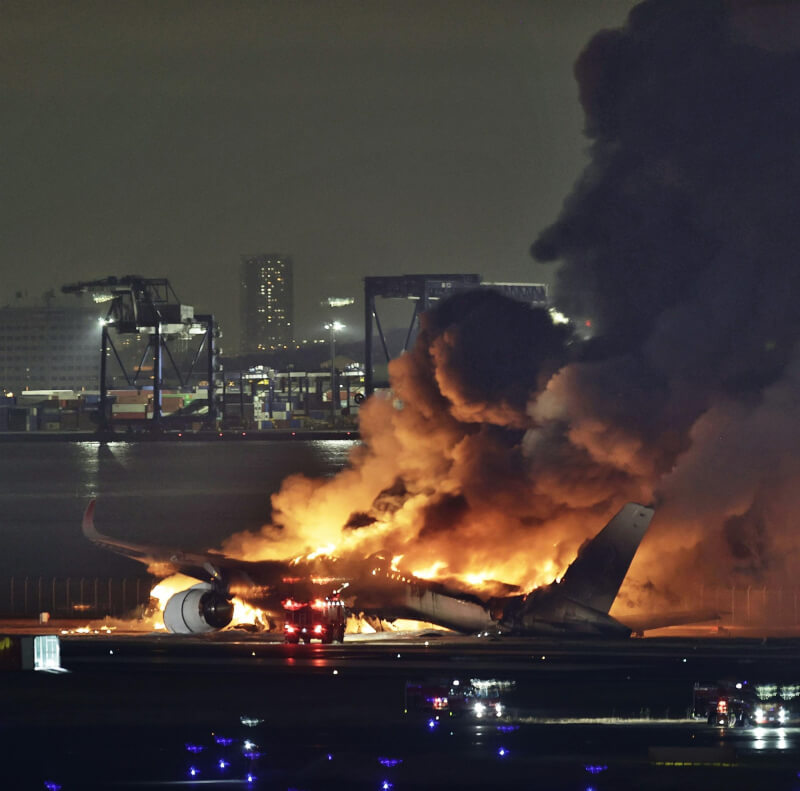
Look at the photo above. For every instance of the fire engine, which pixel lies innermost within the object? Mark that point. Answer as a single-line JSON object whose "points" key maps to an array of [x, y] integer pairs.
{"points": [[317, 619], [476, 696], [731, 704], [725, 703]]}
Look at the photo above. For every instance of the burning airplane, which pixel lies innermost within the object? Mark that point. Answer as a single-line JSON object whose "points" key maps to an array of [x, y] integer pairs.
{"points": [[507, 441], [577, 604]]}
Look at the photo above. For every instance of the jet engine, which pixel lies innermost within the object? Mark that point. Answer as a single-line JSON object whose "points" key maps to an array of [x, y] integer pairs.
{"points": [[198, 610]]}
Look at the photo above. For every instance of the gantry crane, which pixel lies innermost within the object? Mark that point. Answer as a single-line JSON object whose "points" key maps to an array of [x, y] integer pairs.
{"points": [[149, 306]]}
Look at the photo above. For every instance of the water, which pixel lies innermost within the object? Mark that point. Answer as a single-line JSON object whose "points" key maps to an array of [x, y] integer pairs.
{"points": [[192, 496]]}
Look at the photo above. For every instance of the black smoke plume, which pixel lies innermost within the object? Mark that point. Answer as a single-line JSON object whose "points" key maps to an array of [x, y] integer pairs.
{"points": [[680, 242]]}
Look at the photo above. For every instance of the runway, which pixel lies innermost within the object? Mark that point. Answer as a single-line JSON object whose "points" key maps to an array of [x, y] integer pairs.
{"points": [[576, 714]]}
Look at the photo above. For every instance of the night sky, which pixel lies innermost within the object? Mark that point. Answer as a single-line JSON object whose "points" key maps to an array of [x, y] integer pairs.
{"points": [[167, 138]]}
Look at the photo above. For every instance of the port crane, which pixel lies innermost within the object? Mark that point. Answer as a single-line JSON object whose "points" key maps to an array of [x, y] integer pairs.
{"points": [[149, 306]]}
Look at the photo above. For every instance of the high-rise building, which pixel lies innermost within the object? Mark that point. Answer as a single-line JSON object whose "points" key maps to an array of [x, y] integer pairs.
{"points": [[52, 344], [267, 302]]}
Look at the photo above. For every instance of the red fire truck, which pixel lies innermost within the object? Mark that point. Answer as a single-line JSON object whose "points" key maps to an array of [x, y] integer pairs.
{"points": [[725, 703], [318, 619]]}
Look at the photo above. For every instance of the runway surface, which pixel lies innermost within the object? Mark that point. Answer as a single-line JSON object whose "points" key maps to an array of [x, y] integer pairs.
{"points": [[147, 710]]}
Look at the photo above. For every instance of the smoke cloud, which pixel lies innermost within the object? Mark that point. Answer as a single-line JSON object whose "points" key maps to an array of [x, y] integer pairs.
{"points": [[441, 477], [507, 443], [680, 242]]}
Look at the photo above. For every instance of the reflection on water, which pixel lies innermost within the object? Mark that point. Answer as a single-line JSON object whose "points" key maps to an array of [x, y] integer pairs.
{"points": [[193, 495]]}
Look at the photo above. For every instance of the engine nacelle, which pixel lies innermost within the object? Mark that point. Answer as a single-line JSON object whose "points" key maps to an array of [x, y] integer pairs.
{"points": [[198, 610]]}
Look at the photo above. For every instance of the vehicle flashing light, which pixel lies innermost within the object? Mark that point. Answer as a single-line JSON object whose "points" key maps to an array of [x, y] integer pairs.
{"points": [[390, 762], [290, 628], [195, 748], [193, 771], [479, 709], [318, 629], [223, 740], [502, 752], [250, 778], [223, 764], [431, 724], [507, 728], [595, 769], [386, 785], [51, 786], [248, 745]]}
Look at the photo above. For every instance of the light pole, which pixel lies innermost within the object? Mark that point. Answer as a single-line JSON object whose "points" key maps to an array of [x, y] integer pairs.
{"points": [[334, 327]]}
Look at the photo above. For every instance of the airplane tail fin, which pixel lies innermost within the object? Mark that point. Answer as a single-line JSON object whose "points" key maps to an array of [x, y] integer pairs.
{"points": [[595, 576]]}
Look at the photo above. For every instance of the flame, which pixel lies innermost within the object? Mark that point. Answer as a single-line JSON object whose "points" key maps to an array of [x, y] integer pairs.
{"points": [[244, 613], [432, 572], [327, 550], [163, 590]]}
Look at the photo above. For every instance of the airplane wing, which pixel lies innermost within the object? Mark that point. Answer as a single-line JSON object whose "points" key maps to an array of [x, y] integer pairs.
{"points": [[643, 623], [207, 566]]}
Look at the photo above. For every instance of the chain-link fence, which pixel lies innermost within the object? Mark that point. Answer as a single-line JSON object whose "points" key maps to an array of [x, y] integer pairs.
{"points": [[749, 606], [126, 597], [73, 597]]}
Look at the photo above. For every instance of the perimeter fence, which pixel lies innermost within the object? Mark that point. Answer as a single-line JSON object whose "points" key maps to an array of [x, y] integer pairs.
{"points": [[75, 597], [128, 597], [748, 606]]}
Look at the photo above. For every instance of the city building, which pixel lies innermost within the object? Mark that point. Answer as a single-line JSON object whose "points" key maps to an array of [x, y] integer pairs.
{"points": [[267, 302], [49, 344]]}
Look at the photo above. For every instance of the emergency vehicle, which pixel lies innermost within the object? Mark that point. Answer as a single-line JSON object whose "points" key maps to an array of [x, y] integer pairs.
{"points": [[317, 619]]}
